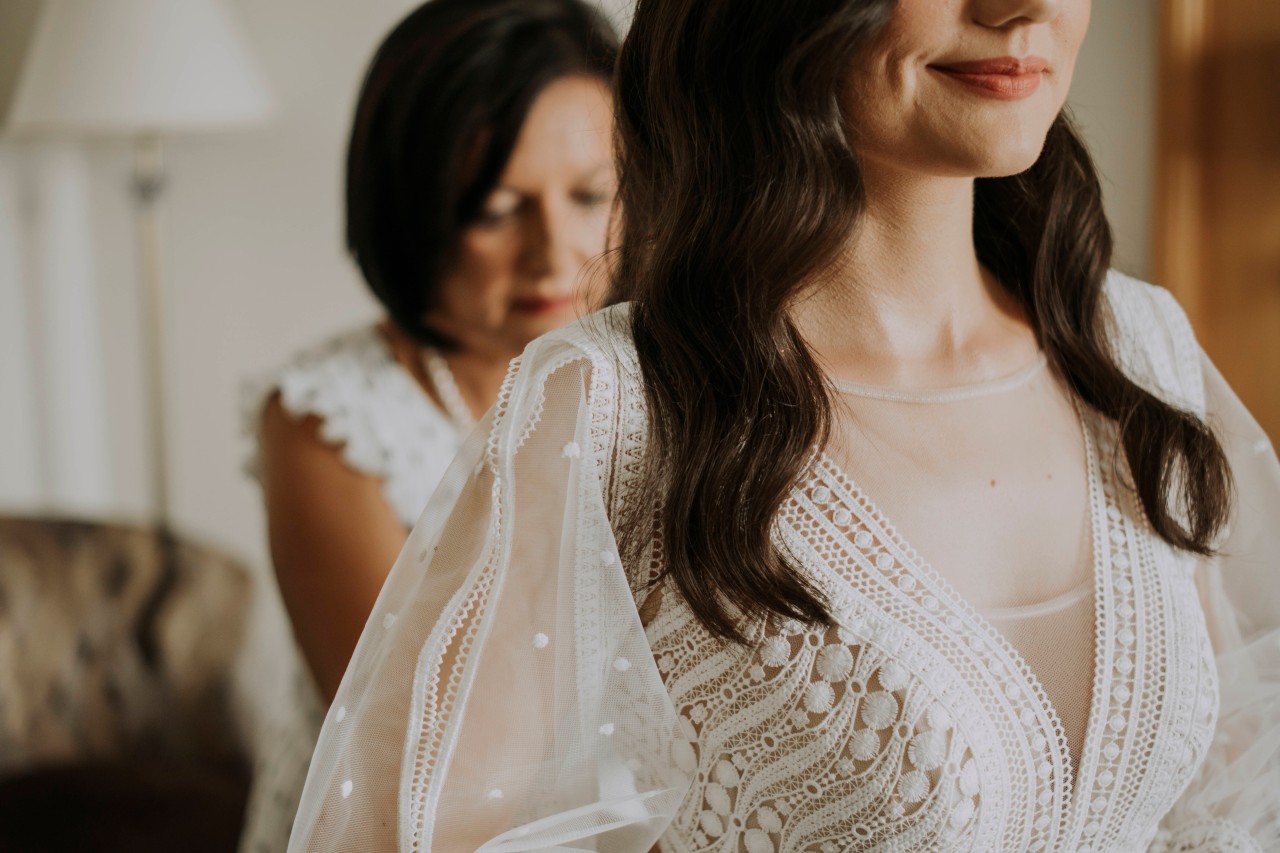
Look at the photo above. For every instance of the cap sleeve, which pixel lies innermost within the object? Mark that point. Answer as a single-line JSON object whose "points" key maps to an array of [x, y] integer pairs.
{"points": [[369, 408]]}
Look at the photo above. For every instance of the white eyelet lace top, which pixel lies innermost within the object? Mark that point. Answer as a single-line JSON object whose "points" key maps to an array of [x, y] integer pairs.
{"points": [[371, 408], [385, 426], [511, 699]]}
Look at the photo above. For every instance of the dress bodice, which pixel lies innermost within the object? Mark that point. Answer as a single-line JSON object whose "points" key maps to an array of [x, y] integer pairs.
{"points": [[915, 724]]}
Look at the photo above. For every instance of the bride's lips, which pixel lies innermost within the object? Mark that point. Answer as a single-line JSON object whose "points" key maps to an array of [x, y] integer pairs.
{"points": [[539, 305], [1005, 78]]}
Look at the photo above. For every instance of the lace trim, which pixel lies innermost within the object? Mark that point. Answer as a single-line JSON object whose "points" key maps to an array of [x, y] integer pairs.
{"points": [[1159, 718], [1114, 615], [1154, 341]]}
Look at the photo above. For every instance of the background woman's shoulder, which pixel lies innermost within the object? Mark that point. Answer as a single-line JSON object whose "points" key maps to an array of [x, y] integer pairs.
{"points": [[362, 399]]}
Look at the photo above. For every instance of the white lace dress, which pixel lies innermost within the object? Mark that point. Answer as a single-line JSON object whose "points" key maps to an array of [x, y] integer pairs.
{"points": [[386, 427], [508, 697]]}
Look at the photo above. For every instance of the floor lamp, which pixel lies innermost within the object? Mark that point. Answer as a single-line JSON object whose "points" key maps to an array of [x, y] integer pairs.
{"points": [[142, 70]]}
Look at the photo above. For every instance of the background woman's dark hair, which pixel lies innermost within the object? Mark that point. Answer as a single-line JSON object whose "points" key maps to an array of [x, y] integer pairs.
{"points": [[439, 113], [737, 185]]}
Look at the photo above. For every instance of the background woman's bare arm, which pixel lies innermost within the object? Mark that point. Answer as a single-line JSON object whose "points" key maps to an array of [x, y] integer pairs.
{"points": [[333, 540]]}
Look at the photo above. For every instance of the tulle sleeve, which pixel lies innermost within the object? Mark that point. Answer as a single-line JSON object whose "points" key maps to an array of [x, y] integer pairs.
{"points": [[503, 696], [1233, 804]]}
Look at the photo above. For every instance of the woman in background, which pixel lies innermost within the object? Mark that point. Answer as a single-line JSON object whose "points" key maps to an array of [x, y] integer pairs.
{"points": [[479, 185], [884, 516]]}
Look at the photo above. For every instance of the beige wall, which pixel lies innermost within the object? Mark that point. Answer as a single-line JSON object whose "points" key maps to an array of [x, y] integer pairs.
{"points": [[254, 259], [16, 20], [1113, 96]]}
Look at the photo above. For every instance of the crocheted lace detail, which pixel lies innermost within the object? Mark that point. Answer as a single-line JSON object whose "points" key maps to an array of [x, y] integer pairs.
{"points": [[1155, 682], [915, 725], [1154, 341]]}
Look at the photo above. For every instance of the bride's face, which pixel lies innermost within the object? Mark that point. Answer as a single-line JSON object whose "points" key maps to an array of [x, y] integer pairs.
{"points": [[965, 87]]}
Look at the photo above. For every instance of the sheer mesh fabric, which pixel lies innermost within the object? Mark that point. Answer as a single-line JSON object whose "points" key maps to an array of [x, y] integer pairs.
{"points": [[1055, 638], [385, 426], [1233, 804], [992, 491], [505, 695], [503, 698]]}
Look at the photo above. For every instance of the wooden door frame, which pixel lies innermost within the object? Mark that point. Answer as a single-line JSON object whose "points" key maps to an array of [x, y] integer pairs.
{"points": [[1177, 245]]}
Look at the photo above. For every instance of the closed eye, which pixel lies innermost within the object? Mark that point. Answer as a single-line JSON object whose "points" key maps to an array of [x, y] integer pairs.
{"points": [[496, 215], [592, 199]]}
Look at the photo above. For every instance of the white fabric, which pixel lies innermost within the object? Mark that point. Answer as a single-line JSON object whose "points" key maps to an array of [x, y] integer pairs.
{"points": [[1234, 802], [505, 695], [55, 427], [387, 427], [371, 407], [997, 489]]}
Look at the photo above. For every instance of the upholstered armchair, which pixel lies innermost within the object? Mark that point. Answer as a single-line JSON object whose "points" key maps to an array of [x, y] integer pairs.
{"points": [[117, 645]]}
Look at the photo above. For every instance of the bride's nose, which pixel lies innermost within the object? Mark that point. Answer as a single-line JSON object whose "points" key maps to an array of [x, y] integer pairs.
{"points": [[998, 14]]}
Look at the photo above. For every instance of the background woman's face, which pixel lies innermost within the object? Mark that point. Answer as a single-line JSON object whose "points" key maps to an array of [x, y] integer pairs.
{"points": [[965, 87], [516, 273]]}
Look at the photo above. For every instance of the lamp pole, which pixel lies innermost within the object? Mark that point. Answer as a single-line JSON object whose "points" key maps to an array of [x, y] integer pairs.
{"points": [[148, 187]]}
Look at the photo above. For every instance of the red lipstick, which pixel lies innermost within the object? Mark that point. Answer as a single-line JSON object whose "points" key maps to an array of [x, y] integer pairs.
{"points": [[1005, 78], [541, 305]]}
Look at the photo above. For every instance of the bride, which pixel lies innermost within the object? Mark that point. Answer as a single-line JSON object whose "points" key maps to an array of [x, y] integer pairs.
{"points": [[878, 513]]}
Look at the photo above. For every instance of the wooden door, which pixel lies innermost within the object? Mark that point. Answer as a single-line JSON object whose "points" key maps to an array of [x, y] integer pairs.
{"points": [[1217, 242]]}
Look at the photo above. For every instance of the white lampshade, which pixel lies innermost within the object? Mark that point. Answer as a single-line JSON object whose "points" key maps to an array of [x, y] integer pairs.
{"points": [[137, 67]]}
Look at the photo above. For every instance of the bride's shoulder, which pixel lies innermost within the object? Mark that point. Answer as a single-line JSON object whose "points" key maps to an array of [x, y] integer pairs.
{"points": [[590, 363], [1153, 339], [603, 336], [599, 345]]}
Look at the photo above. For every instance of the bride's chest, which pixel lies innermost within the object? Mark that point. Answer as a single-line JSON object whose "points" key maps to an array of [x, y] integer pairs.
{"points": [[913, 724]]}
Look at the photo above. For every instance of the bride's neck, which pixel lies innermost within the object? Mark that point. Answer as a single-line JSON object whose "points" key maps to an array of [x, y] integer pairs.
{"points": [[907, 293]]}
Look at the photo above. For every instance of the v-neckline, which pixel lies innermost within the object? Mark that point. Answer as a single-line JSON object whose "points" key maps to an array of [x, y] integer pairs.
{"points": [[1074, 794]]}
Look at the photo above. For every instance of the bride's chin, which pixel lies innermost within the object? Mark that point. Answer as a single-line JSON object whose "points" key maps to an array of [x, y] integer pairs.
{"points": [[997, 160]]}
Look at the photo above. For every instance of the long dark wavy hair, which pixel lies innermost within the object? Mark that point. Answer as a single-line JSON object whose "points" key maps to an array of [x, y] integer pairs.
{"points": [[738, 185]]}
